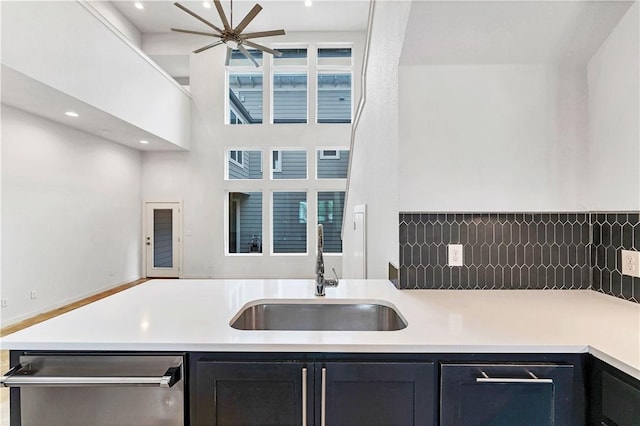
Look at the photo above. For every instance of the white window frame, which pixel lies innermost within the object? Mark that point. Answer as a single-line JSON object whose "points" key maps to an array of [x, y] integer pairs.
{"points": [[288, 69], [333, 69], [227, 224], [317, 193], [272, 228], [240, 69]]}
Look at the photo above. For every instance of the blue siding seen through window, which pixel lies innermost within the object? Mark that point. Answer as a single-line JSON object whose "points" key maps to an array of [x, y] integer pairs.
{"points": [[250, 167], [289, 98], [292, 164], [245, 98], [334, 98], [289, 222], [333, 168]]}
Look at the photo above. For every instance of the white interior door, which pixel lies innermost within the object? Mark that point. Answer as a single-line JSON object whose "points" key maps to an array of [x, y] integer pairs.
{"points": [[162, 239], [360, 242]]}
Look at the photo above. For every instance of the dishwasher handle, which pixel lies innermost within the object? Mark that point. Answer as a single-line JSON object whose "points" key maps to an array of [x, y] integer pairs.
{"points": [[16, 378]]}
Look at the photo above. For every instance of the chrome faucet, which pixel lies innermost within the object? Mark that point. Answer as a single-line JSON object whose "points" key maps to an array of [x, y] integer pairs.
{"points": [[321, 282]]}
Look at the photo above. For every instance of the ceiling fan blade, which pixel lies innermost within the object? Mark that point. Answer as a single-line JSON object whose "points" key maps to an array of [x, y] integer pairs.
{"points": [[208, 46], [204, 21], [246, 53], [178, 30], [262, 34], [247, 19], [223, 17], [261, 47], [228, 58]]}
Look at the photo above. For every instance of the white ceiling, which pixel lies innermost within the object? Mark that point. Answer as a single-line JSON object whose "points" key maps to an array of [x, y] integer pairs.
{"points": [[507, 32], [323, 15]]}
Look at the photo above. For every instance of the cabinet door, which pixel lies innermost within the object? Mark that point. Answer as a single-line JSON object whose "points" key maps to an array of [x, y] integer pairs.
{"points": [[253, 393], [375, 394], [506, 394], [615, 396]]}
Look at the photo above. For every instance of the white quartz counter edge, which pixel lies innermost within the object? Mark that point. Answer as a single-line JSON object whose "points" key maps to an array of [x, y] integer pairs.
{"points": [[194, 315]]}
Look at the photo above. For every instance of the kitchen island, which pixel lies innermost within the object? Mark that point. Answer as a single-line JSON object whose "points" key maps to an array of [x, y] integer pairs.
{"points": [[194, 315], [559, 340]]}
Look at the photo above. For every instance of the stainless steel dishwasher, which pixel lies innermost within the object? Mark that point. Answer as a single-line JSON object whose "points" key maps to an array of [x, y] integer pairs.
{"points": [[97, 390]]}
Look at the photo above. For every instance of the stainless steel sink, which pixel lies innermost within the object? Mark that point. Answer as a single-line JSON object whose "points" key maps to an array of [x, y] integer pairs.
{"points": [[326, 316]]}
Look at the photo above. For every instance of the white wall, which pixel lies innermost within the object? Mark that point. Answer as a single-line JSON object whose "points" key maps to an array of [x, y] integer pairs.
{"points": [[118, 20], [614, 117], [90, 62], [70, 214], [374, 165], [197, 177], [492, 138]]}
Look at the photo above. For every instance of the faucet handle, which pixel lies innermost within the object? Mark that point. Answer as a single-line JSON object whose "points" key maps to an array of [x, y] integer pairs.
{"points": [[334, 273]]}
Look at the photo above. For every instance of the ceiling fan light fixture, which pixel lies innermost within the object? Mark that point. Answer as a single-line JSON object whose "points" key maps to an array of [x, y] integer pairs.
{"points": [[232, 38], [206, 5], [232, 44], [308, 3], [139, 5]]}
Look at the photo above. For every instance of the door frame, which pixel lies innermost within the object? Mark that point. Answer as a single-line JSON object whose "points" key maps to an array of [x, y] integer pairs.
{"points": [[178, 241]]}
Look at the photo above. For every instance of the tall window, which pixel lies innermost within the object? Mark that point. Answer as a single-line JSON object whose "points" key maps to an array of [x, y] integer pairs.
{"points": [[332, 163], [244, 89], [244, 164], [289, 164], [334, 95], [289, 86], [330, 210], [289, 222], [245, 222]]}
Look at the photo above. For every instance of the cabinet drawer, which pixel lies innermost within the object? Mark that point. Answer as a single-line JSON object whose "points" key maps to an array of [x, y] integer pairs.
{"points": [[620, 401], [506, 394]]}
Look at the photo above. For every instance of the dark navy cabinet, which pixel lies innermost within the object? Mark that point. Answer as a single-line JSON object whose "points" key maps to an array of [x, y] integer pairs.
{"points": [[506, 394], [252, 393], [293, 392], [325, 389], [372, 393], [614, 397]]}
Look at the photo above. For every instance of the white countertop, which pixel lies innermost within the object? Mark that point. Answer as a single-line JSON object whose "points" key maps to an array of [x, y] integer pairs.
{"points": [[194, 315]]}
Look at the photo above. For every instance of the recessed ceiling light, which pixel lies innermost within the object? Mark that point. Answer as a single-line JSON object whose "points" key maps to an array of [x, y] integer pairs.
{"points": [[308, 3], [206, 5], [144, 142], [71, 114], [139, 5]]}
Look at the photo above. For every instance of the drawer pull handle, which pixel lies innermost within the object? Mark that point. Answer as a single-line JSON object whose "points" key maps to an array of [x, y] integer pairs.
{"points": [[323, 401], [12, 379], [304, 396], [533, 380]]}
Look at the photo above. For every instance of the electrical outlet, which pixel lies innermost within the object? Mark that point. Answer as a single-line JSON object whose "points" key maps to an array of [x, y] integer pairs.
{"points": [[33, 294], [630, 263], [455, 255], [4, 303]]}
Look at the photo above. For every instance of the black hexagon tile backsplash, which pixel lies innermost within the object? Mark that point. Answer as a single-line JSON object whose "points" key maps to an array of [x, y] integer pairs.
{"points": [[519, 251]]}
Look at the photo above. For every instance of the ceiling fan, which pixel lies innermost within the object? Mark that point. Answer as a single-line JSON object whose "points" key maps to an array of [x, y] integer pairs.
{"points": [[231, 36]]}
